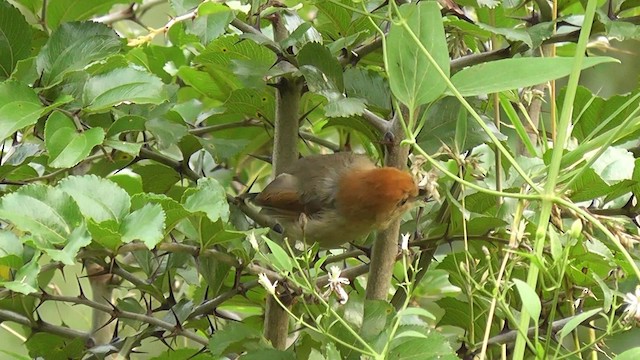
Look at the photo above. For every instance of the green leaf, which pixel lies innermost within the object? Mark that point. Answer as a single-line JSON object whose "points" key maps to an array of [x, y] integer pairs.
{"points": [[26, 278], [345, 107], [271, 354], [106, 233], [50, 346], [98, 198], [631, 354], [123, 85], [441, 127], [73, 46], [234, 337], [126, 124], [210, 198], [530, 300], [157, 178], [318, 56], [145, 224], [10, 250], [377, 314], [281, 260], [576, 321], [15, 38], [415, 311], [248, 60], [19, 108], [59, 11], [587, 186], [78, 239], [413, 79], [212, 21], [508, 74], [259, 104], [167, 132], [509, 33], [431, 345], [223, 149], [173, 210], [369, 85], [47, 213], [66, 146]]}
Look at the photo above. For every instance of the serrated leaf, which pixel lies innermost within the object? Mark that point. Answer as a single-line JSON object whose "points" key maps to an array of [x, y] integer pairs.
{"points": [[47, 213], [369, 85], [173, 210], [59, 11], [123, 85], [26, 279], [145, 224], [73, 46], [15, 38], [78, 239], [10, 250], [66, 146], [413, 79], [157, 178], [106, 233], [208, 197], [259, 104], [318, 56], [98, 198], [19, 108], [248, 60], [166, 132], [509, 74], [345, 107], [431, 345], [212, 21], [441, 127]]}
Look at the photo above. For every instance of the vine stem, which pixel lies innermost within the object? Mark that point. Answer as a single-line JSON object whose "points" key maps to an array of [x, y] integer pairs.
{"points": [[549, 195]]}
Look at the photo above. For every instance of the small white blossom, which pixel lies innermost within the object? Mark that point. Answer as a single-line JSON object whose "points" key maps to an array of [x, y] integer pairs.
{"points": [[633, 305], [335, 285], [266, 283], [404, 245], [253, 241]]}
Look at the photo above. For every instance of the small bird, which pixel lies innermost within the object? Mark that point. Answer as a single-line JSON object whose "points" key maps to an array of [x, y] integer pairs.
{"points": [[343, 197]]}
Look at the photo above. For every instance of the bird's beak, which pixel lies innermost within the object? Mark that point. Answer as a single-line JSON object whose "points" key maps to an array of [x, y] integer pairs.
{"points": [[424, 195]]}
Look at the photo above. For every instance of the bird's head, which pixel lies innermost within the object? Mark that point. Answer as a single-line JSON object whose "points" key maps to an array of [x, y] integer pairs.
{"points": [[379, 195]]}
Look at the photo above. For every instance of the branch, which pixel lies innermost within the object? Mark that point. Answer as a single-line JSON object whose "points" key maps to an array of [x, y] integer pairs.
{"points": [[261, 38], [115, 312], [127, 14], [382, 125], [510, 336], [219, 127], [43, 326], [385, 248], [320, 141]]}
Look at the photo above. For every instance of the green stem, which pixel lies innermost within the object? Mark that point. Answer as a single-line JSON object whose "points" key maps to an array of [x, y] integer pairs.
{"points": [[554, 169]]}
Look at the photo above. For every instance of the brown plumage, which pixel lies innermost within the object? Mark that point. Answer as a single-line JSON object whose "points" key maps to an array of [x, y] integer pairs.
{"points": [[344, 196]]}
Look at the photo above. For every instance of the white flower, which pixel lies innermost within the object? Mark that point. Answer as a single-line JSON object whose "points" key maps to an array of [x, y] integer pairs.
{"points": [[266, 283], [404, 245], [335, 285], [253, 241], [633, 305]]}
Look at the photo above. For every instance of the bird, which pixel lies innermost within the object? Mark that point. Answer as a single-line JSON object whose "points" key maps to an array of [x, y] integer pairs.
{"points": [[336, 198]]}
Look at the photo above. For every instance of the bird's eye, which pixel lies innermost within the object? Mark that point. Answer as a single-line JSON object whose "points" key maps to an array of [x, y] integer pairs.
{"points": [[403, 201]]}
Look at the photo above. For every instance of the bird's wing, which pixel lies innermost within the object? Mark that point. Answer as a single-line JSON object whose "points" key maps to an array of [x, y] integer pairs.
{"points": [[288, 195], [281, 194], [324, 173]]}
